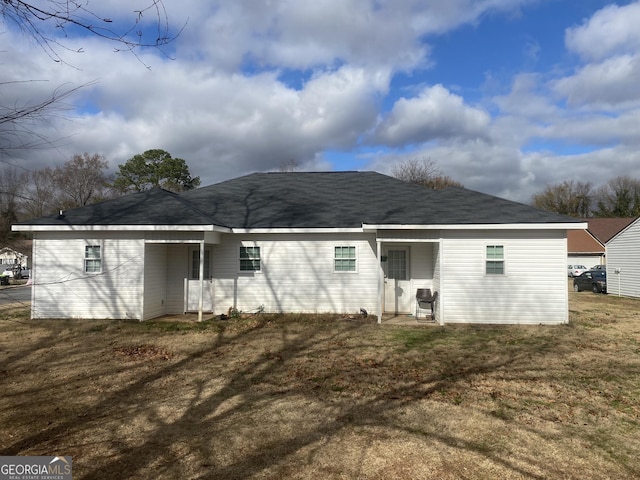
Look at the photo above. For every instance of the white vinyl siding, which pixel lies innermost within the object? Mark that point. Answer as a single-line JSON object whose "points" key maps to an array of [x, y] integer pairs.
{"points": [[63, 289], [297, 274], [155, 281], [533, 290], [178, 270], [623, 262]]}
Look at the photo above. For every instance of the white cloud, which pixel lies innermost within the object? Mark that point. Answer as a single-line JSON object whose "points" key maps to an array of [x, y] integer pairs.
{"points": [[610, 31], [325, 33], [611, 83], [527, 99], [435, 114], [258, 83]]}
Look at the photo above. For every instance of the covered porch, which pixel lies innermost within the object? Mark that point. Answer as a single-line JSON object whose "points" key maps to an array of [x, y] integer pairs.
{"points": [[177, 274], [410, 260]]}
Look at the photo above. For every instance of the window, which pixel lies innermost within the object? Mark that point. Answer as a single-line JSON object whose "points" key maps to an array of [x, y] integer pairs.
{"points": [[92, 259], [495, 260], [195, 264], [344, 259], [249, 259]]}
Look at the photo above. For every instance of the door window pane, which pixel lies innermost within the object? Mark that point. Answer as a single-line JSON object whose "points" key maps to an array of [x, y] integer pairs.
{"points": [[195, 264], [397, 264]]}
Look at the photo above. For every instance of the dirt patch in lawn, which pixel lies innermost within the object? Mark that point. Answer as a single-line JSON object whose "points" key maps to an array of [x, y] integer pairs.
{"points": [[324, 397]]}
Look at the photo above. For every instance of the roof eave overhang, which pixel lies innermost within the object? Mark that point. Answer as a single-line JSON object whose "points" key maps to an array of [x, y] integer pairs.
{"points": [[120, 228], [480, 226], [296, 230]]}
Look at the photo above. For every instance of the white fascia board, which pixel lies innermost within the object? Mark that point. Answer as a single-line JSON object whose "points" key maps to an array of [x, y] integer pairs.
{"points": [[119, 228], [296, 230], [481, 226]]}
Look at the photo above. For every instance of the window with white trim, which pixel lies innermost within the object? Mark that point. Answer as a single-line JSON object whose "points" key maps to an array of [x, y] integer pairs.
{"points": [[250, 259], [495, 260], [344, 259], [93, 259]]}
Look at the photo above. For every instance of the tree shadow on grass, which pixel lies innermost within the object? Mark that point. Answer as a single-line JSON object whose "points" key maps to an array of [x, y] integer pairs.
{"points": [[237, 400]]}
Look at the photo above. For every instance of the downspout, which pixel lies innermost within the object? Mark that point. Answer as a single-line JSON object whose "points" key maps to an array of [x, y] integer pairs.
{"points": [[380, 280], [201, 277]]}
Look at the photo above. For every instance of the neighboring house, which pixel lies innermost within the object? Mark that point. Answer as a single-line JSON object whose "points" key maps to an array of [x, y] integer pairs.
{"points": [[584, 249], [303, 242], [623, 261], [17, 255], [587, 247], [604, 229]]}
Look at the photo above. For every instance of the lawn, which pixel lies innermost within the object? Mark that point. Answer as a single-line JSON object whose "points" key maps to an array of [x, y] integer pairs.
{"points": [[327, 397]]}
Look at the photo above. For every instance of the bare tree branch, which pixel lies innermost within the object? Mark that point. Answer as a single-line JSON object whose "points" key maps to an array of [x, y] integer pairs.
{"points": [[18, 123], [40, 19], [33, 19]]}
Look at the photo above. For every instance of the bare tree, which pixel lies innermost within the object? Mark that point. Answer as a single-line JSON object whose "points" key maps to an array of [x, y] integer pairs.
{"points": [[290, 165], [41, 196], [567, 198], [619, 197], [423, 172], [81, 181], [12, 188]]}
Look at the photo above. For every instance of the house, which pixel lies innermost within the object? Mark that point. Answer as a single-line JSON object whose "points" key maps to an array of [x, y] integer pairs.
{"points": [[303, 242], [15, 255], [587, 247], [623, 261], [584, 249]]}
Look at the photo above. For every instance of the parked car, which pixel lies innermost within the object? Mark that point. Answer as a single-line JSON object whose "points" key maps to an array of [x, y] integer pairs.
{"points": [[598, 267], [594, 280], [575, 270], [16, 272]]}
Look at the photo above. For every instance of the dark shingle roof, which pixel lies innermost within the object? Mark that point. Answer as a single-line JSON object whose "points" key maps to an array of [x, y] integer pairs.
{"points": [[152, 207], [307, 200]]}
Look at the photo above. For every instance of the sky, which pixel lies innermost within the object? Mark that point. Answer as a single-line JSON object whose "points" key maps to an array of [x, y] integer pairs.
{"points": [[504, 96]]}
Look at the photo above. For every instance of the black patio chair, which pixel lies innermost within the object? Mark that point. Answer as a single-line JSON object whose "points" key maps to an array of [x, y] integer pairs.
{"points": [[425, 300]]}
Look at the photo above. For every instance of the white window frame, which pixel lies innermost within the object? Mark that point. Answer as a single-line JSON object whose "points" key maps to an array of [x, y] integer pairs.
{"points": [[336, 259], [502, 260], [87, 258], [259, 259]]}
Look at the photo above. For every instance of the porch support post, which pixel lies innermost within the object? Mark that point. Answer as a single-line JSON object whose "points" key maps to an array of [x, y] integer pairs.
{"points": [[380, 281], [201, 277]]}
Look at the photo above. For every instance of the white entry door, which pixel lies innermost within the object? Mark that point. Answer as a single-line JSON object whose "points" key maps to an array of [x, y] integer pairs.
{"points": [[398, 297]]}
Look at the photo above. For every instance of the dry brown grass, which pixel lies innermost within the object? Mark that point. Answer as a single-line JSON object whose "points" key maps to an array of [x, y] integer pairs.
{"points": [[324, 397]]}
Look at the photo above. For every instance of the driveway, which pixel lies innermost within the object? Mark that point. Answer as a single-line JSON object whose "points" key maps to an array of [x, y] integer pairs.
{"points": [[15, 294]]}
